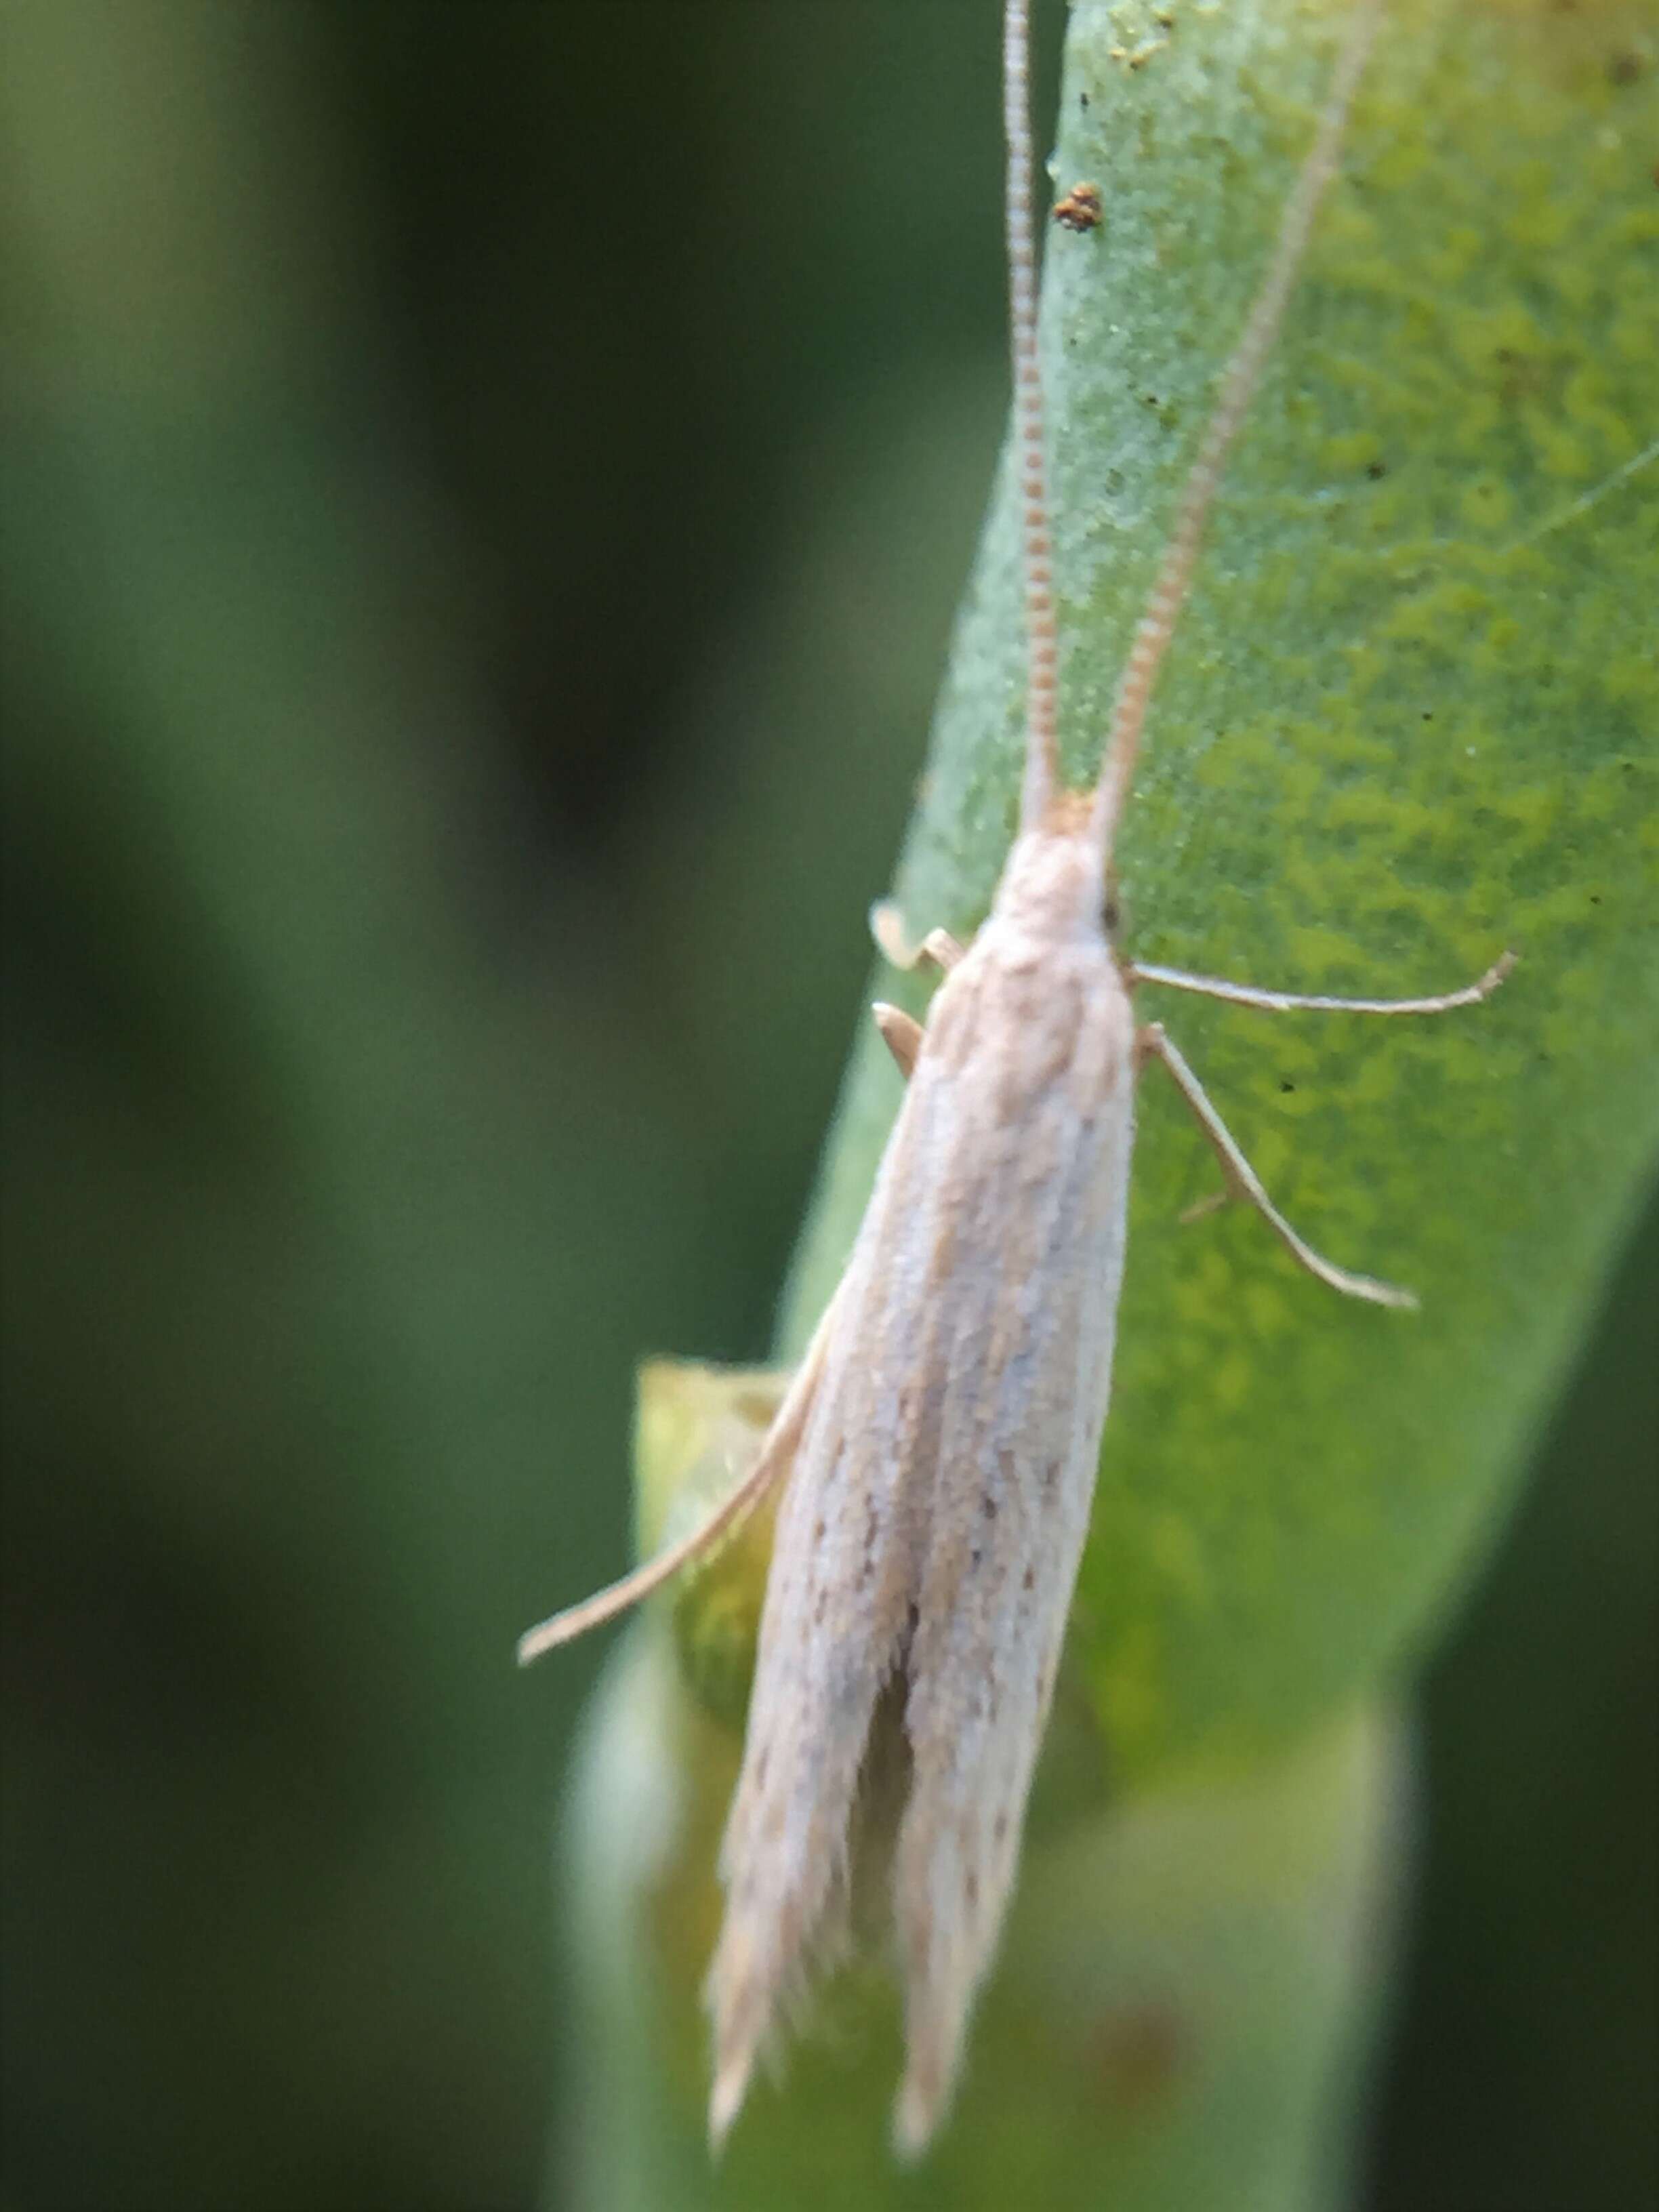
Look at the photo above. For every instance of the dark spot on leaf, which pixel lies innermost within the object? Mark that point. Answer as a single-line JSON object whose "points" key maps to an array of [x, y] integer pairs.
{"points": [[1624, 68], [1138, 2056], [1377, 470], [1286, 1085]]}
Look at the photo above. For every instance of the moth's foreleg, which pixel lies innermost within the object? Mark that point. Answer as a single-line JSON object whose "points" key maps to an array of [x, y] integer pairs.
{"points": [[1293, 1002], [1243, 1179], [887, 927], [901, 1033]]}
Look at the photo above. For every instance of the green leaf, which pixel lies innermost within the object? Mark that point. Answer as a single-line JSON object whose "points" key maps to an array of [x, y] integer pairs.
{"points": [[1408, 719], [1188, 1992]]}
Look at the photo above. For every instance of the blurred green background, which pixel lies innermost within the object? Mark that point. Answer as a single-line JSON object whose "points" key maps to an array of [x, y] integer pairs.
{"points": [[485, 490]]}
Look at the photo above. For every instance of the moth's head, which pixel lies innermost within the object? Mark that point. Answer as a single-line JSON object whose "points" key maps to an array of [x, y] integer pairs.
{"points": [[1054, 884]]}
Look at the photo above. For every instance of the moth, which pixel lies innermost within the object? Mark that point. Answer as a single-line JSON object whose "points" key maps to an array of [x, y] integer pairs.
{"points": [[938, 1446]]}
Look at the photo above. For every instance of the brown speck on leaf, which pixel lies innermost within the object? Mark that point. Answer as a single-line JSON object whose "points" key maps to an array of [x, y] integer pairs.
{"points": [[1624, 68], [1140, 2055], [1079, 209], [1377, 470]]}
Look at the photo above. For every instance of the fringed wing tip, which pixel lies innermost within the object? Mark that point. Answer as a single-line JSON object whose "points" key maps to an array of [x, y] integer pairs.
{"points": [[917, 2114], [726, 2100]]}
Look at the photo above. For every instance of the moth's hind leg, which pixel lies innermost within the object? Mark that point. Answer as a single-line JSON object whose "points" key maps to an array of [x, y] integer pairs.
{"points": [[775, 1457], [1243, 1181], [1296, 1002]]}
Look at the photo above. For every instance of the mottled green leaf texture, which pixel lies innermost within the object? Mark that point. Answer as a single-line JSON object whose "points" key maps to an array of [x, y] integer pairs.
{"points": [[1408, 721]]}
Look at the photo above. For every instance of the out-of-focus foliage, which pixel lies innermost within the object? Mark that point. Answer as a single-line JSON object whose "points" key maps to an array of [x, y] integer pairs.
{"points": [[483, 493]]}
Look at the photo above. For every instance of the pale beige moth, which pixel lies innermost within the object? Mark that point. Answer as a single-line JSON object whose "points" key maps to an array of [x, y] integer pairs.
{"points": [[938, 1446]]}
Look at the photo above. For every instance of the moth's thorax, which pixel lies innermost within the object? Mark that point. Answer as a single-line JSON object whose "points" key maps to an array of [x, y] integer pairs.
{"points": [[1053, 889]]}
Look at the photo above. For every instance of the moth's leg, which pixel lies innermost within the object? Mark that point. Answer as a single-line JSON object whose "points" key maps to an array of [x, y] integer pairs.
{"points": [[1292, 1002], [777, 1454], [901, 1033], [887, 927], [1243, 1179]]}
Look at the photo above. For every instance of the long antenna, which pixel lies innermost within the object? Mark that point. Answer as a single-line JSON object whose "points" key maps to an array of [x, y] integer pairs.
{"points": [[1238, 384], [1037, 554]]}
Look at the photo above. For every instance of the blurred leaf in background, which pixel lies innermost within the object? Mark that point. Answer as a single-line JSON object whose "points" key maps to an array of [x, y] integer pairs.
{"points": [[484, 493]]}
